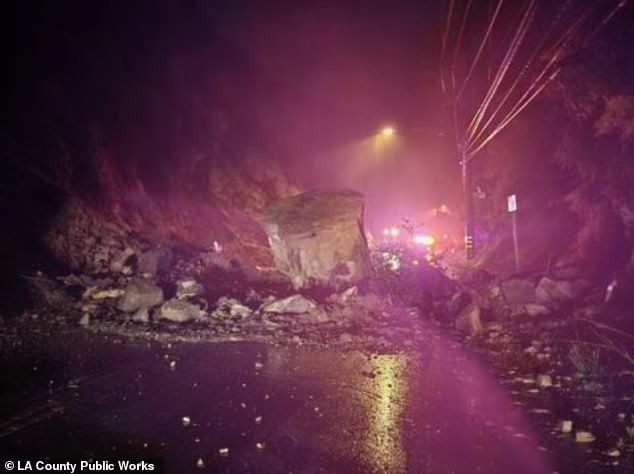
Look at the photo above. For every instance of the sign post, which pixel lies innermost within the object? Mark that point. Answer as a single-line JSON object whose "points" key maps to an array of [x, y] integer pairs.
{"points": [[511, 204], [469, 238]]}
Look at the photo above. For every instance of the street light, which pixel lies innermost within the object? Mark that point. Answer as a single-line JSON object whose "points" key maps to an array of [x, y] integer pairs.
{"points": [[387, 131], [383, 138]]}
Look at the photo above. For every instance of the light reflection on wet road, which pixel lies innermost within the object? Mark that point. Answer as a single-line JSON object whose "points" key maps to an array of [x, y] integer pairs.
{"points": [[253, 408]]}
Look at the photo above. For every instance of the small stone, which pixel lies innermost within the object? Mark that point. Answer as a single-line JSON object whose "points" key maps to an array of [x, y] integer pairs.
{"points": [[584, 437], [188, 288], [532, 350], [258, 365], [224, 452], [141, 316], [621, 416], [544, 381], [186, 421], [85, 320], [613, 453], [173, 365], [258, 419], [260, 446], [105, 294], [566, 426], [200, 464], [179, 311]]}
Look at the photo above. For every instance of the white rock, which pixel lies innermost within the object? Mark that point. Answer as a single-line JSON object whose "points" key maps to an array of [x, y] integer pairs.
{"points": [[111, 293], [141, 316], [534, 309], [187, 288], [469, 320], [319, 315], [544, 381], [344, 296], [230, 307], [317, 238], [140, 293], [295, 304], [240, 310], [584, 437], [179, 311], [566, 426]]}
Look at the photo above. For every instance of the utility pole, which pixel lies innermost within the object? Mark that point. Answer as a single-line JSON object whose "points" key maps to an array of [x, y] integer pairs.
{"points": [[469, 238]]}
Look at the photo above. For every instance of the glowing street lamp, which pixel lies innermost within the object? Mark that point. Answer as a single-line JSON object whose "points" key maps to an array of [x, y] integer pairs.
{"points": [[387, 131]]}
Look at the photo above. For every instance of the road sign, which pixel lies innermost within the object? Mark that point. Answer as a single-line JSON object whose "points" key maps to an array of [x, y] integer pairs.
{"points": [[511, 203]]}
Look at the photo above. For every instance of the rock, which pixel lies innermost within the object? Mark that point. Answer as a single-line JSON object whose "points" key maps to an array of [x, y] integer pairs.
{"points": [[140, 293], [295, 304], [239, 310], [231, 307], [85, 320], [155, 259], [179, 311], [110, 293], [317, 238], [344, 296], [566, 426], [187, 288], [534, 309], [555, 293], [118, 263], [544, 381], [518, 291], [469, 320], [319, 315], [141, 316], [584, 437]]}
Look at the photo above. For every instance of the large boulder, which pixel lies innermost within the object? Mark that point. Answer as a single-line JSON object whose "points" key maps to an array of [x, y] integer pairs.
{"points": [[317, 238]]}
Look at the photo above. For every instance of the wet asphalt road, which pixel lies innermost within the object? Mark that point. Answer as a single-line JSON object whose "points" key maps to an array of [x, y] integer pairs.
{"points": [[247, 407]]}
